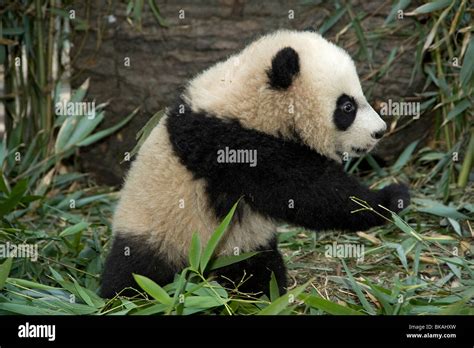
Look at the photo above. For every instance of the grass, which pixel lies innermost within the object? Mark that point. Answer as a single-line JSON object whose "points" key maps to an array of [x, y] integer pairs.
{"points": [[419, 263]]}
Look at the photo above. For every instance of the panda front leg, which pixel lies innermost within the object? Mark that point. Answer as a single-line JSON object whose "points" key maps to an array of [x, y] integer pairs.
{"points": [[316, 195], [327, 203], [253, 275]]}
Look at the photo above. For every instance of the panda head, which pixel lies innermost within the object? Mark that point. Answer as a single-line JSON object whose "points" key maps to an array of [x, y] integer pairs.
{"points": [[295, 85]]}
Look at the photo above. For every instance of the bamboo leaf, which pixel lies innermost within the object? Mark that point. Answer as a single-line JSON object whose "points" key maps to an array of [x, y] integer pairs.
{"points": [[143, 133], [5, 268], [468, 65], [203, 302], [358, 290], [106, 132], [153, 289], [431, 7], [156, 13], [328, 306], [436, 208], [84, 127], [216, 237], [401, 5], [274, 291], [195, 252], [14, 198], [328, 24], [223, 261], [457, 110], [404, 157], [71, 230], [282, 303]]}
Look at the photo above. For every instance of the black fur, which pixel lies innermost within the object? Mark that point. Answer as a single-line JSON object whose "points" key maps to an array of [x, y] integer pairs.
{"points": [[144, 260], [285, 66], [342, 119], [256, 271], [286, 172], [132, 254]]}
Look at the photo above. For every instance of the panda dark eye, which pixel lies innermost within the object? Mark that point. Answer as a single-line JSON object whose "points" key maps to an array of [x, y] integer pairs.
{"points": [[348, 107]]}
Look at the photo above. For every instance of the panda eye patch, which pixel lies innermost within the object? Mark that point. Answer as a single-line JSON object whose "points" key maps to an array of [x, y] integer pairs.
{"points": [[345, 112]]}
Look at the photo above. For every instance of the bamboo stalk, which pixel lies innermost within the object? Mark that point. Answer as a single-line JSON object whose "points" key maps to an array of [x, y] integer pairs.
{"points": [[50, 82], [40, 65], [467, 163]]}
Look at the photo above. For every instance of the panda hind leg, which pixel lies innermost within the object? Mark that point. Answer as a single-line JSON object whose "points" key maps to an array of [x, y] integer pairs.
{"points": [[130, 254], [253, 275]]}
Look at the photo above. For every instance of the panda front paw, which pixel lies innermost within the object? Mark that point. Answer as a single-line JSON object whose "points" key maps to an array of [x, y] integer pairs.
{"points": [[396, 197]]}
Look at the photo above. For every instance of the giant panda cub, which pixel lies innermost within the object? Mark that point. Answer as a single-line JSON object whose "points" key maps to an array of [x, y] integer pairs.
{"points": [[271, 124]]}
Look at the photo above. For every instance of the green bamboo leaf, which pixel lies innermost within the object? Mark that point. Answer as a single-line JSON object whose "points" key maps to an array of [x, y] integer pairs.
{"points": [[404, 157], [383, 295], [27, 309], [30, 285], [74, 229], [143, 133], [80, 93], [155, 309], [329, 23], [64, 134], [153, 289], [156, 13], [401, 5], [14, 198], [82, 293], [223, 261], [274, 291], [402, 225], [216, 237], [431, 7], [85, 126], [103, 197], [180, 285], [4, 187], [400, 252], [195, 252], [282, 303], [468, 65], [358, 290], [328, 306], [373, 163], [5, 268], [137, 11], [436, 208], [106, 132], [203, 302], [70, 121], [457, 110]]}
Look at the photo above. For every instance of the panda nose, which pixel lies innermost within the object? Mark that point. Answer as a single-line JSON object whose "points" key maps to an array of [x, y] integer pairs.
{"points": [[379, 134]]}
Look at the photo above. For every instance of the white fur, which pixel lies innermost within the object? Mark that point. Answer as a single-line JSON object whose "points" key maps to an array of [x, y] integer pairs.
{"points": [[157, 186], [238, 87]]}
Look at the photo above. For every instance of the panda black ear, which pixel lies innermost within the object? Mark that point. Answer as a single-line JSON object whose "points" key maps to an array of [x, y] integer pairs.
{"points": [[285, 66]]}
